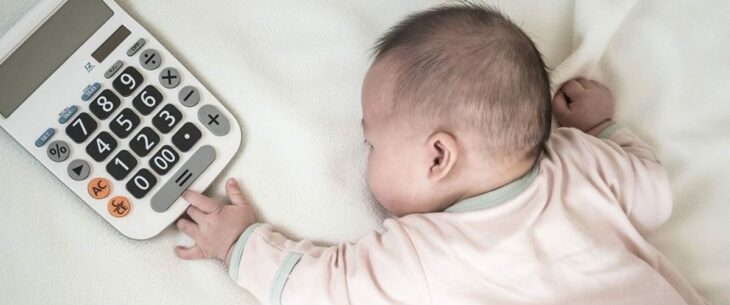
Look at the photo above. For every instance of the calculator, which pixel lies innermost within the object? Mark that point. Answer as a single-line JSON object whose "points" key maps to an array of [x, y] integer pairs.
{"points": [[109, 111]]}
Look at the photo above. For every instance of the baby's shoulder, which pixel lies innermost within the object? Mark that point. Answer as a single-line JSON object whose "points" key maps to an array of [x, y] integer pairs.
{"points": [[570, 146], [567, 139]]}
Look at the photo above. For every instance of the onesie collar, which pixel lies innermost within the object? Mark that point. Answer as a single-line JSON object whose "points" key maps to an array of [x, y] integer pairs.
{"points": [[499, 195]]}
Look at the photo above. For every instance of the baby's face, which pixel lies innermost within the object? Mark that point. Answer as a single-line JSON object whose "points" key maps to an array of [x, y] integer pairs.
{"points": [[397, 163]]}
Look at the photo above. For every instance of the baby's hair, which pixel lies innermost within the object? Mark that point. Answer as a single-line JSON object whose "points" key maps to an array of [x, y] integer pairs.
{"points": [[468, 64]]}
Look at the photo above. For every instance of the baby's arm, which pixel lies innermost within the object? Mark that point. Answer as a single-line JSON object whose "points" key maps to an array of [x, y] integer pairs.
{"points": [[625, 162], [378, 269]]}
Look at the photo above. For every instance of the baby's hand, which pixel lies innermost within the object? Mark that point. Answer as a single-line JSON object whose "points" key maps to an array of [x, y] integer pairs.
{"points": [[583, 104], [217, 226]]}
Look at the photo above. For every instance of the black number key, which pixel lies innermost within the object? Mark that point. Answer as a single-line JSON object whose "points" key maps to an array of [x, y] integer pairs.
{"points": [[147, 100], [186, 137], [141, 183], [124, 123], [101, 146], [104, 104], [143, 143], [81, 128], [167, 118], [128, 81], [121, 165], [164, 160]]}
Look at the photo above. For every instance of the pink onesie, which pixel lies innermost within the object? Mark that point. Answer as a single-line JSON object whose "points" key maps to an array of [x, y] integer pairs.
{"points": [[567, 232]]}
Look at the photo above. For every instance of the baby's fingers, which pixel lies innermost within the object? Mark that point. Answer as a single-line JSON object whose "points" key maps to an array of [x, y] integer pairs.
{"points": [[560, 103], [201, 201], [573, 88], [196, 214], [188, 227], [193, 252], [586, 83], [234, 193]]}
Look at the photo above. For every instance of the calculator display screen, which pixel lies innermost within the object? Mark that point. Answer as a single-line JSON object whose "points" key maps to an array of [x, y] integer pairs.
{"points": [[47, 48], [111, 43]]}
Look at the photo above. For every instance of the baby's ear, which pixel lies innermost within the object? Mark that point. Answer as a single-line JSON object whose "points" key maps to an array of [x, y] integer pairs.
{"points": [[443, 153]]}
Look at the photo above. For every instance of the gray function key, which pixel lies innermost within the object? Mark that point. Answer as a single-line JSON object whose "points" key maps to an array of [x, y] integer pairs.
{"points": [[189, 96], [150, 59], [169, 78], [113, 69], [136, 47], [183, 178], [213, 120], [78, 169], [58, 151]]}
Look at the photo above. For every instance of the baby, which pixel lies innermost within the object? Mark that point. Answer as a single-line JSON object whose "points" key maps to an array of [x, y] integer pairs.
{"points": [[493, 207]]}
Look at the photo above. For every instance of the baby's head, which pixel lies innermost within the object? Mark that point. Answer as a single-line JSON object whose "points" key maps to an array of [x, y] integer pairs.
{"points": [[456, 103]]}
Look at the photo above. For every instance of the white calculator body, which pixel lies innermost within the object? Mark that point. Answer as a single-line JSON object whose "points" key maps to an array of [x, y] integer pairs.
{"points": [[111, 113]]}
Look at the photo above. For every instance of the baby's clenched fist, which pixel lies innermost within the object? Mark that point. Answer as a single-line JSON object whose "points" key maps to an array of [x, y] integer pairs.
{"points": [[584, 104]]}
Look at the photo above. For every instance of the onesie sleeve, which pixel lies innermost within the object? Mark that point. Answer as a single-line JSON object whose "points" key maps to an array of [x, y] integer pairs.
{"points": [[382, 268], [633, 174]]}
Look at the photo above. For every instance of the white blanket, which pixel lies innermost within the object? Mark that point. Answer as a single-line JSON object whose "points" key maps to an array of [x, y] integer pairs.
{"points": [[291, 73]]}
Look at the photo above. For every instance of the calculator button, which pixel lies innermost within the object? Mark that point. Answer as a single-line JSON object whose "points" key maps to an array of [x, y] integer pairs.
{"points": [[101, 146], [119, 206], [58, 151], [169, 78], [89, 91], [78, 169], [147, 100], [113, 69], [189, 96], [124, 123], [143, 143], [213, 120], [136, 47], [45, 136], [141, 183], [186, 137], [150, 59], [128, 81], [167, 118], [67, 113], [104, 104], [99, 188], [164, 160], [121, 165], [183, 178], [81, 127]]}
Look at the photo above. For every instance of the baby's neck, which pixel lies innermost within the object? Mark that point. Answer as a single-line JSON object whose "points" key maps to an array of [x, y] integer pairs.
{"points": [[488, 177]]}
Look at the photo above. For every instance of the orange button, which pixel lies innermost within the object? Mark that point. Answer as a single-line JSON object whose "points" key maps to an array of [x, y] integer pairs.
{"points": [[99, 188], [119, 206]]}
